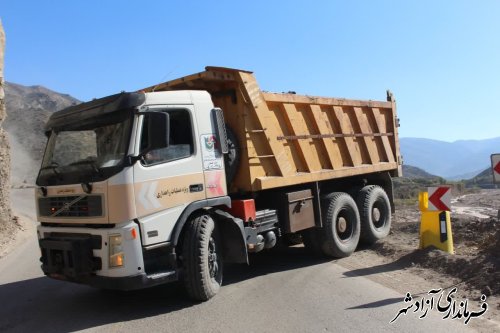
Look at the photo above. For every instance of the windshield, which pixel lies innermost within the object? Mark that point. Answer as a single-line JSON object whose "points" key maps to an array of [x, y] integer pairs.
{"points": [[88, 153]]}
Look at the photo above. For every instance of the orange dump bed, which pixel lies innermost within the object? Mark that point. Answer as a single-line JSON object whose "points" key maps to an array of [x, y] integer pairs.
{"points": [[289, 139]]}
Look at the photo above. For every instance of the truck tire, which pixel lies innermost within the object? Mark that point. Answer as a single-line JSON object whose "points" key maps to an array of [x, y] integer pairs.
{"points": [[341, 225], [232, 158], [202, 258], [375, 213]]}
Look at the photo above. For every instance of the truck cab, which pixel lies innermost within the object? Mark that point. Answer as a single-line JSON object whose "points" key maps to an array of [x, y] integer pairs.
{"points": [[116, 177]]}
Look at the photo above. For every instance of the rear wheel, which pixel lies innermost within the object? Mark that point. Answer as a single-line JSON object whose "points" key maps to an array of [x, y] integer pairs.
{"points": [[202, 258], [375, 213], [341, 225]]}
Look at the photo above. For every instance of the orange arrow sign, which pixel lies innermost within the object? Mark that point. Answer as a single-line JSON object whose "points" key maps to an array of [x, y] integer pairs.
{"points": [[439, 198]]}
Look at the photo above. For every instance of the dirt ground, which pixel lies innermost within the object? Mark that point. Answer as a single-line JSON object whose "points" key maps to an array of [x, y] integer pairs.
{"points": [[9, 233], [476, 239], [474, 269]]}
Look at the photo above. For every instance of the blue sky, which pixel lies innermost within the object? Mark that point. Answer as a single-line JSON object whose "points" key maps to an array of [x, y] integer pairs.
{"points": [[441, 59]]}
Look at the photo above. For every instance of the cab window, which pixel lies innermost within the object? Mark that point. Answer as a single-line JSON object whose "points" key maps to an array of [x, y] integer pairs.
{"points": [[180, 139]]}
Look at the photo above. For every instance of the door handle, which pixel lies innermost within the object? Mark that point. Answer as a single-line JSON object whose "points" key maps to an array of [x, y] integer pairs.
{"points": [[196, 188]]}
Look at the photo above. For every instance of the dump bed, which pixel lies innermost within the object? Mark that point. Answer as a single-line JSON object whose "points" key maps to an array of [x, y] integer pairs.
{"points": [[288, 139]]}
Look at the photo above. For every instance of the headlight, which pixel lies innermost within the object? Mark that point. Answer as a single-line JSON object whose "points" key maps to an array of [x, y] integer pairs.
{"points": [[116, 255]]}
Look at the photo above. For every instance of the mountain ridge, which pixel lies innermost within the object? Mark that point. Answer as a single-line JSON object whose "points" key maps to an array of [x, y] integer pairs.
{"points": [[461, 159], [28, 109]]}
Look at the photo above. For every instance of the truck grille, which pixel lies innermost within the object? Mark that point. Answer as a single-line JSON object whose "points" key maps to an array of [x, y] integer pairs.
{"points": [[71, 206]]}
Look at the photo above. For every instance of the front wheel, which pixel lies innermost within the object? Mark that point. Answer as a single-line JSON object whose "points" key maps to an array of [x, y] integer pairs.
{"points": [[202, 258]]}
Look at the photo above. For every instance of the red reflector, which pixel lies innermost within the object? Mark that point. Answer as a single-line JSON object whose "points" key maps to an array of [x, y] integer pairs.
{"points": [[243, 209], [53, 209]]}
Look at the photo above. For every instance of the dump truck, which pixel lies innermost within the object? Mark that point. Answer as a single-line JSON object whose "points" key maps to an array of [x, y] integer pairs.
{"points": [[173, 181]]}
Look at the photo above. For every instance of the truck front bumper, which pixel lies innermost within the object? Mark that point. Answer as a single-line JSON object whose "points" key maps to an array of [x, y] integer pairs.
{"points": [[82, 255], [120, 283]]}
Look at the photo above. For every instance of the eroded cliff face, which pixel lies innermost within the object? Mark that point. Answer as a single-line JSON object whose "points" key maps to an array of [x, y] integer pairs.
{"points": [[5, 212]]}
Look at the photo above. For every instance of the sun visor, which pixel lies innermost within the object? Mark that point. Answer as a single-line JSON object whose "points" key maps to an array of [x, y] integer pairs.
{"points": [[81, 113]]}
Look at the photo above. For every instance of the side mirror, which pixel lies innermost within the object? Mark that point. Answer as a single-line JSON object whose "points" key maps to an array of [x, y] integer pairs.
{"points": [[220, 129], [158, 130]]}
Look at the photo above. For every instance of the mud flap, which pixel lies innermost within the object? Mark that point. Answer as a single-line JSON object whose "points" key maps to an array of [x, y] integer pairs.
{"points": [[233, 237]]}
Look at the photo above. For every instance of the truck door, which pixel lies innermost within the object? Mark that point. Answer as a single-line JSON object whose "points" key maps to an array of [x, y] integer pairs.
{"points": [[167, 179]]}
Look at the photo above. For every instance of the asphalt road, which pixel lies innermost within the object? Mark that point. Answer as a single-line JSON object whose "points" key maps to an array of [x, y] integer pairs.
{"points": [[287, 291]]}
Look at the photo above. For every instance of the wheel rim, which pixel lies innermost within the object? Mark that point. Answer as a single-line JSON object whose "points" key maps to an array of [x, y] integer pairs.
{"points": [[344, 226], [379, 213], [213, 265]]}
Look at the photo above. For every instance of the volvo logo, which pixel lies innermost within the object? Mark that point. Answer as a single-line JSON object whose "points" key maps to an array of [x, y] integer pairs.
{"points": [[67, 205]]}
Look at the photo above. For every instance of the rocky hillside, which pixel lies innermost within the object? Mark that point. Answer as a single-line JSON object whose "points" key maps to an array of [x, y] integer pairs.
{"points": [[28, 110], [414, 180], [482, 180], [415, 173], [5, 211]]}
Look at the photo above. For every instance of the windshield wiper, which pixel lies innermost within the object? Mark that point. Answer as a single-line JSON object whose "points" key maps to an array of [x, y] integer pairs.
{"points": [[90, 163], [52, 166]]}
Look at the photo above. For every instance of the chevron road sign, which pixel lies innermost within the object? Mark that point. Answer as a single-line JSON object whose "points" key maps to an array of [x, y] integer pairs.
{"points": [[495, 165], [439, 198]]}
